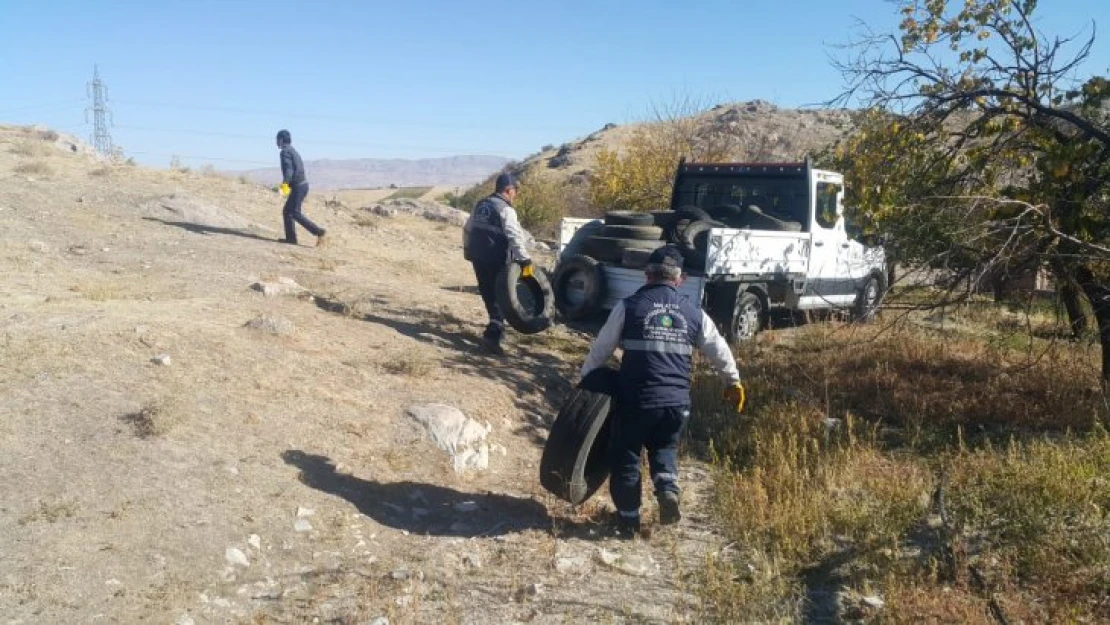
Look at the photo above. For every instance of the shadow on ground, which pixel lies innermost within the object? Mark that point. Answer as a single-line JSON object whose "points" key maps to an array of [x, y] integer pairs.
{"points": [[202, 229], [426, 509], [540, 380]]}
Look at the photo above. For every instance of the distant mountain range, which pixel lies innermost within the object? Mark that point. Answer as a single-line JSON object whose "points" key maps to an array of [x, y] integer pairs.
{"points": [[363, 173]]}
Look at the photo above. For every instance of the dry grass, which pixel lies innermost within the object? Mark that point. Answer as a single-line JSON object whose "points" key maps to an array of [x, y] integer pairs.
{"points": [[367, 221], [409, 364], [50, 512], [30, 148], [34, 168], [157, 417], [102, 171], [943, 473]]}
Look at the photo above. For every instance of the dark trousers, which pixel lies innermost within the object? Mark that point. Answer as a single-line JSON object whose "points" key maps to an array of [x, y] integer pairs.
{"points": [[487, 275], [293, 215], [658, 429]]}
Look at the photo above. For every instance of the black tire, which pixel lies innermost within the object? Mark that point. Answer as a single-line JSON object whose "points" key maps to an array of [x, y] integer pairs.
{"points": [[635, 259], [628, 218], [665, 219], [526, 303], [868, 300], [610, 250], [693, 213], [640, 233], [579, 287], [574, 463], [747, 319], [574, 246], [694, 241]]}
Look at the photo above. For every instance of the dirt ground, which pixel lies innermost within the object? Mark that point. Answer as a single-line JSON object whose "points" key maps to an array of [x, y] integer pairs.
{"points": [[267, 472]]}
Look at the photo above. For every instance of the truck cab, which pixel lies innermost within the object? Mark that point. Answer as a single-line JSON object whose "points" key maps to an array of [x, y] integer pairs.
{"points": [[756, 236]]}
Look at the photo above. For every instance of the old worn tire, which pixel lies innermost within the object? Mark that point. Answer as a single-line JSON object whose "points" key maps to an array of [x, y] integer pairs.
{"points": [[611, 250], [640, 233], [526, 303], [694, 241], [868, 300], [665, 219], [574, 246], [635, 259], [747, 318], [575, 463], [693, 213], [579, 287], [628, 218]]}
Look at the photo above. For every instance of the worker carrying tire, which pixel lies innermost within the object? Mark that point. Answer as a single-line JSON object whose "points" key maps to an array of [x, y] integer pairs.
{"points": [[493, 238], [657, 328]]}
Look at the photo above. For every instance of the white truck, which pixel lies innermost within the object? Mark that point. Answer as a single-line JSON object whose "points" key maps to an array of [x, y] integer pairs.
{"points": [[756, 236]]}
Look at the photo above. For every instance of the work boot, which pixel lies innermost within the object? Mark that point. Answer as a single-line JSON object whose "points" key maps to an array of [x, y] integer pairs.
{"points": [[491, 338], [626, 528], [669, 513], [321, 239]]}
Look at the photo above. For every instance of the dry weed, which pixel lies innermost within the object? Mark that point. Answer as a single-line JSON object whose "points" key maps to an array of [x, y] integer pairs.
{"points": [[409, 364], [51, 512], [102, 171], [157, 417], [34, 168], [30, 149]]}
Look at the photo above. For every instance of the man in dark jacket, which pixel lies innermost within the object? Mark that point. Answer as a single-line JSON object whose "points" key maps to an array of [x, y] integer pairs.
{"points": [[657, 328], [493, 238], [294, 184]]}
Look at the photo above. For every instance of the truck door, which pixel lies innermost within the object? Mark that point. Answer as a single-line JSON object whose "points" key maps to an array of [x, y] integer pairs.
{"points": [[828, 283]]}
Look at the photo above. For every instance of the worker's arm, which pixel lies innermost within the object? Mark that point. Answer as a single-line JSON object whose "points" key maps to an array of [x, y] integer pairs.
{"points": [[515, 233], [607, 340], [716, 350], [288, 169]]}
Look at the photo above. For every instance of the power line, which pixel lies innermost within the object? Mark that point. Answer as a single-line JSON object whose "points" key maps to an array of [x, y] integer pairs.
{"points": [[339, 118], [102, 117]]}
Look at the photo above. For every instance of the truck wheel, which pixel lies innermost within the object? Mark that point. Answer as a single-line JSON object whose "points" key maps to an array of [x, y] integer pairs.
{"points": [[628, 218], [640, 233], [574, 463], [527, 303], [579, 287], [868, 300], [747, 318]]}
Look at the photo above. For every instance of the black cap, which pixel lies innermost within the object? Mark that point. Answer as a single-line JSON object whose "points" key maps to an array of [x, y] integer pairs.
{"points": [[667, 256], [504, 181]]}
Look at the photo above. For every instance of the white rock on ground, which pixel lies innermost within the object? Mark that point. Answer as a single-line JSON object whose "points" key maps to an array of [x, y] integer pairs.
{"points": [[302, 525], [279, 287], [235, 556], [272, 324], [632, 564], [463, 438], [161, 359]]}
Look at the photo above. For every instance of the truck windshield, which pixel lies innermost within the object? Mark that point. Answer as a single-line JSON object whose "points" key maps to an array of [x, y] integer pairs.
{"points": [[781, 197]]}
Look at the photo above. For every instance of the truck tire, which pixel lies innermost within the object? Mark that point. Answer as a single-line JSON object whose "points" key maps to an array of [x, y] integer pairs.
{"points": [[694, 241], [868, 300], [641, 233], [665, 219], [575, 461], [635, 259], [611, 250], [628, 218], [526, 303], [693, 213], [574, 246], [579, 287], [747, 318]]}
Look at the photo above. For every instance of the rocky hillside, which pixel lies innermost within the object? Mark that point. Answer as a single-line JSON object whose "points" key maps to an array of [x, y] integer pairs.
{"points": [[746, 131]]}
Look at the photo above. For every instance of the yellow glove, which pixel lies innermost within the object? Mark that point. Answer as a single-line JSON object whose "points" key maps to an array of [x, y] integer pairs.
{"points": [[527, 272], [735, 395], [284, 189]]}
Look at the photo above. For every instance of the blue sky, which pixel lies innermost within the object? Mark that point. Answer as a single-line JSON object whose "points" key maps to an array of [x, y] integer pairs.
{"points": [[212, 81]]}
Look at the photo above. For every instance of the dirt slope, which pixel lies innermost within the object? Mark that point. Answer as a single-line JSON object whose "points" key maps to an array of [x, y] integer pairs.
{"points": [[267, 472]]}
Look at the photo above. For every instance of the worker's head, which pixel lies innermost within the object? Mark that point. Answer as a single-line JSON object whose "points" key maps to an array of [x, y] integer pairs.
{"points": [[284, 138], [664, 266], [506, 186]]}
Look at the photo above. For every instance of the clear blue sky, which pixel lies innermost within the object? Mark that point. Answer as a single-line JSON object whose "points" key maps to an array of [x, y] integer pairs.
{"points": [[216, 79]]}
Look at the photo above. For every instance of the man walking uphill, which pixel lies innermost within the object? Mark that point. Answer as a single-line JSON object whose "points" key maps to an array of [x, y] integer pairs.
{"points": [[294, 184], [658, 329], [493, 238]]}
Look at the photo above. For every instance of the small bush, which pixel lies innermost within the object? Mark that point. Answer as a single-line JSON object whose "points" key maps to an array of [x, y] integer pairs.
{"points": [[157, 417], [410, 365], [30, 149], [101, 171]]}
